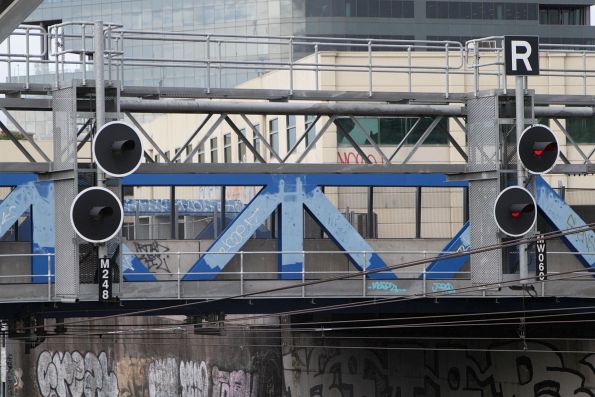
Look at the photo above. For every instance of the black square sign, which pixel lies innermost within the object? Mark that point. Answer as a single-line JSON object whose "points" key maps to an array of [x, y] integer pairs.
{"points": [[521, 55]]}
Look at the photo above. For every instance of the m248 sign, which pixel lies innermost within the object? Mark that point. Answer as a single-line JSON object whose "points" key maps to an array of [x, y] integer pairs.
{"points": [[105, 280], [521, 55], [541, 259]]}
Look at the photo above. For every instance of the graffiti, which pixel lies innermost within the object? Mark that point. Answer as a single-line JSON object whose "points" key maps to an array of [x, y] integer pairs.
{"points": [[183, 207], [419, 370], [233, 383], [293, 193], [332, 371], [194, 379], [350, 157], [240, 232], [132, 373], [562, 216], [8, 215], [389, 286], [443, 287], [14, 377], [64, 374], [163, 378], [151, 254]]}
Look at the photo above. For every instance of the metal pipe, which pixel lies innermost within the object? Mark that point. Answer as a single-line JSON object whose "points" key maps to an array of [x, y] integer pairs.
{"points": [[520, 126], [261, 108], [98, 47]]}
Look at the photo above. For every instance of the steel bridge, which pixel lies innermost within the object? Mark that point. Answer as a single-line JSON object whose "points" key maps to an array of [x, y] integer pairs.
{"points": [[89, 63]]}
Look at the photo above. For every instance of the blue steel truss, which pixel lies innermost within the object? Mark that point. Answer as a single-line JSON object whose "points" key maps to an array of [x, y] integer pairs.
{"points": [[292, 193]]}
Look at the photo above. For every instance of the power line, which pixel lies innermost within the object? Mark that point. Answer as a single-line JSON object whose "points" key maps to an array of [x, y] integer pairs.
{"points": [[545, 236], [389, 348]]}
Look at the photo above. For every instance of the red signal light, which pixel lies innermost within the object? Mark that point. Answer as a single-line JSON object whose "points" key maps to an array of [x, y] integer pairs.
{"points": [[540, 147]]}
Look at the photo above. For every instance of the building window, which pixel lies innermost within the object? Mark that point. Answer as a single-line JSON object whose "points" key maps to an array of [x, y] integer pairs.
{"points": [[214, 156], [256, 138], [581, 129], [274, 134], [176, 151], [564, 15], [360, 8], [309, 119], [227, 148], [201, 153], [291, 132], [481, 10], [242, 147], [391, 130]]}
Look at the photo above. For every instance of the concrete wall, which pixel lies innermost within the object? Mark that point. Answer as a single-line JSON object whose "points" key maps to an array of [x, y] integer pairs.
{"points": [[444, 369], [15, 265], [249, 364], [175, 363]]}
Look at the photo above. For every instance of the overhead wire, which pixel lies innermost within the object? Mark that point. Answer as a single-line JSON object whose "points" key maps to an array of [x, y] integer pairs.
{"points": [[545, 236]]}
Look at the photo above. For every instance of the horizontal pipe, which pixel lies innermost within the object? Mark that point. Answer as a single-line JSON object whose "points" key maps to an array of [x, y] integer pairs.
{"points": [[299, 108], [561, 111]]}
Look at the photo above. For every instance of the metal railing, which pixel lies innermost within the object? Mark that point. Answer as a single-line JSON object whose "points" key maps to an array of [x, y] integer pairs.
{"points": [[492, 48], [306, 274], [70, 44], [68, 48], [6, 279], [353, 282]]}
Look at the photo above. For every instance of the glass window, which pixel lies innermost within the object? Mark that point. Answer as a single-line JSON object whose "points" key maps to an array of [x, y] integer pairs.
{"points": [[291, 132], [385, 8], [476, 10], [309, 119], [442, 9], [339, 8], [373, 8], [242, 148], [201, 153], [499, 7], [509, 10], [521, 11], [227, 148], [454, 9], [466, 10], [431, 9], [581, 129], [256, 138], [488, 11], [349, 8], [391, 130], [408, 11], [214, 154], [362, 8], [397, 9], [531, 11], [274, 134]]}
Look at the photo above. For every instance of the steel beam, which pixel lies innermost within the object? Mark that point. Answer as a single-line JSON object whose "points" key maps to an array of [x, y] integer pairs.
{"points": [[137, 105], [274, 168]]}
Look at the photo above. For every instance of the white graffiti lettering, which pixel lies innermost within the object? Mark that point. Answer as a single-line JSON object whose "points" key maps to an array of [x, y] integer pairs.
{"points": [[69, 374], [163, 378], [194, 379]]}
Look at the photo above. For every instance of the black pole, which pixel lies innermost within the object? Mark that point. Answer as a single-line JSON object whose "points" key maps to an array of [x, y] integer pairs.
{"points": [[370, 225], [222, 207], [418, 212]]}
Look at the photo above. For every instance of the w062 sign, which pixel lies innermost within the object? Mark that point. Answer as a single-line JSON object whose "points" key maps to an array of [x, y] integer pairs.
{"points": [[541, 259], [105, 280]]}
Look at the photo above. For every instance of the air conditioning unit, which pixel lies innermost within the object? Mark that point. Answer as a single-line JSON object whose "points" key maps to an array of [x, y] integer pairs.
{"points": [[359, 221]]}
